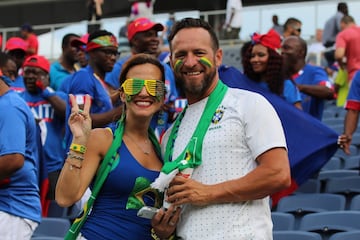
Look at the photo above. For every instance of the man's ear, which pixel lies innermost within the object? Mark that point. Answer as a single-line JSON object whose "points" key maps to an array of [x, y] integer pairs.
{"points": [[218, 57]]}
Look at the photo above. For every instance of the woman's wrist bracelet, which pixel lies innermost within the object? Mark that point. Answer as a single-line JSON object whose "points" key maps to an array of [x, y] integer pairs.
{"points": [[77, 148], [75, 156], [156, 237], [72, 166]]}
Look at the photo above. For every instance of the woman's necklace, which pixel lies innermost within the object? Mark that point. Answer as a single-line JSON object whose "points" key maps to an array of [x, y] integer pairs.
{"points": [[147, 152]]}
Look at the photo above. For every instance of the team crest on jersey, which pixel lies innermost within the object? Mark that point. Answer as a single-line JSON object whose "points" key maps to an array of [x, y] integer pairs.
{"points": [[219, 113]]}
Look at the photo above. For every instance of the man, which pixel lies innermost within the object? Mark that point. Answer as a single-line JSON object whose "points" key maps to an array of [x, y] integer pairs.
{"points": [[62, 68], [20, 211], [233, 21], [27, 33], [292, 27], [312, 81], [276, 25], [102, 51], [48, 108], [347, 47], [16, 48], [143, 38], [331, 29], [352, 106], [81, 55], [235, 169]]}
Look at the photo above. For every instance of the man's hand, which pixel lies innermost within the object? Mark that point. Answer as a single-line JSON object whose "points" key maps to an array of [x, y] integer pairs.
{"points": [[186, 190]]}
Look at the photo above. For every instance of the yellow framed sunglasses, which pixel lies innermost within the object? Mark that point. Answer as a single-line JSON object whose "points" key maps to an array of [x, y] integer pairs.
{"points": [[133, 86]]}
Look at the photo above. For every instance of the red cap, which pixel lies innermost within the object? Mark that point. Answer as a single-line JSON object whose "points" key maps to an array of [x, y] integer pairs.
{"points": [[37, 61], [15, 43], [271, 39], [79, 42], [142, 25]]}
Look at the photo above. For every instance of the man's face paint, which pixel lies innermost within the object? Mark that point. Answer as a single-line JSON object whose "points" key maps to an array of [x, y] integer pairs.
{"points": [[177, 65], [202, 60], [133, 86], [206, 62]]}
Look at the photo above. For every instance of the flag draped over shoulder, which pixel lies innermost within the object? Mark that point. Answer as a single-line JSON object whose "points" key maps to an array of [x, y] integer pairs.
{"points": [[42, 176], [310, 142]]}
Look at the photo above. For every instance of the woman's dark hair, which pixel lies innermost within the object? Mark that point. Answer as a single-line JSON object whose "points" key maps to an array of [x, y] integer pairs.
{"points": [[193, 23], [139, 59], [274, 75]]}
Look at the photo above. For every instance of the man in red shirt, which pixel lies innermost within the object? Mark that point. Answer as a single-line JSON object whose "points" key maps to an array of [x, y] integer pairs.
{"points": [[27, 33]]}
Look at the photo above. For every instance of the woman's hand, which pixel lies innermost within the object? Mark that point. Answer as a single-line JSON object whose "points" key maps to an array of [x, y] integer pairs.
{"points": [[79, 119], [165, 221]]}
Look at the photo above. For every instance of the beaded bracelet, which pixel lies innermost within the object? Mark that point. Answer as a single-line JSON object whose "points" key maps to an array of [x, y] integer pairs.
{"points": [[156, 237], [78, 148], [72, 166], [74, 156]]}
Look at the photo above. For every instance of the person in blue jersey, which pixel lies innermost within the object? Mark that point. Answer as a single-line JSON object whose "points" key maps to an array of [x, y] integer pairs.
{"points": [[16, 48], [263, 64], [312, 81], [48, 107], [127, 187], [65, 65], [8, 68], [20, 210], [102, 51], [143, 38]]}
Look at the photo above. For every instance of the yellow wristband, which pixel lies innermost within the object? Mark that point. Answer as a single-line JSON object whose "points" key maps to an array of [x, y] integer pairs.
{"points": [[77, 148]]}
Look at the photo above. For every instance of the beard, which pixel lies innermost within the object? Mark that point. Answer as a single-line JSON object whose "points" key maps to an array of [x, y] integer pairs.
{"points": [[194, 88]]}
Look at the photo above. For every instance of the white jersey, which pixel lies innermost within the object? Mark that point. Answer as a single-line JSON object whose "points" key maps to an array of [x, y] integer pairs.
{"points": [[244, 126]]}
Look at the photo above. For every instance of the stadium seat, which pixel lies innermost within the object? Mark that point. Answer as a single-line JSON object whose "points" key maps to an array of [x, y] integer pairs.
{"points": [[352, 163], [351, 235], [355, 203], [52, 227], [302, 204], [328, 223], [282, 221], [347, 186], [295, 235], [341, 173], [333, 164], [47, 238], [310, 186]]}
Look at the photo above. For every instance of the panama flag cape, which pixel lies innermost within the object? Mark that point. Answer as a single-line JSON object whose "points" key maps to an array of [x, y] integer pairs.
{"points": [[310, 142]]}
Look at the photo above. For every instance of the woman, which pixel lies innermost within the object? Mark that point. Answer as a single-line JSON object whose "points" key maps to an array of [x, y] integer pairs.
{"points": [[263, 64], [127, 186]]}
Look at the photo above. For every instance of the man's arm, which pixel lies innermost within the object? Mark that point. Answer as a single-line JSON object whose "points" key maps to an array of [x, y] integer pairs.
{"points": [[271, 175], [319, 91], [339, 56], [9, 164]]}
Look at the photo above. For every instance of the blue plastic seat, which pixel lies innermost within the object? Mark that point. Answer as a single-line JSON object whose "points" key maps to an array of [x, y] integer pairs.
{"points": [[295, 235], [333, 164], [351, 235], [282, 221], [310, 186], [52, 227], [328, 223], [302, 204], [355, 203]]}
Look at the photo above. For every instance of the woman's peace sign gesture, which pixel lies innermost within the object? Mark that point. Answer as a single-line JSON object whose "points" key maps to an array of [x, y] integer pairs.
{"points": [[79, 119]]}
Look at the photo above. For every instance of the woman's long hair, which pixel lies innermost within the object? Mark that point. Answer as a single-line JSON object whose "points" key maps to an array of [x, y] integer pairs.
{"points": [[273, 75]]}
